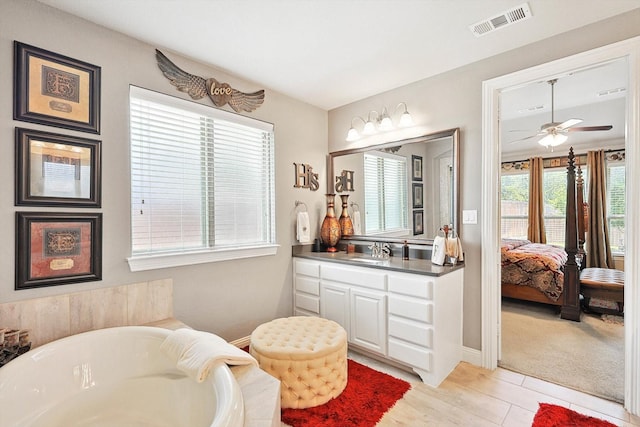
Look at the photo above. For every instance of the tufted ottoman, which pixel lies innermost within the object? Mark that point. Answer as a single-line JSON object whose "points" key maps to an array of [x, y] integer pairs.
{"points": [[307, 354]]}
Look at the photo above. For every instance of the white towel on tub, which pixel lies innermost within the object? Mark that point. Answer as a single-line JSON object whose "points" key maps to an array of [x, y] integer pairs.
{"points": [[303, 230], [196, 352]]}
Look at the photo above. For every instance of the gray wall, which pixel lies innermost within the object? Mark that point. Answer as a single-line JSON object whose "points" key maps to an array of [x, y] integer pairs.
{"points": [[454, 99], [229, 298]]}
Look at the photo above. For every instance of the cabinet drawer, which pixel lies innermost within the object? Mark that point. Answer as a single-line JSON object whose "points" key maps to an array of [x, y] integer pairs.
{"points": [[412, 285], [307, 302], [307, 268], [411, 308], [308, 285], [410, 354], [413, 332], [365, 277]]}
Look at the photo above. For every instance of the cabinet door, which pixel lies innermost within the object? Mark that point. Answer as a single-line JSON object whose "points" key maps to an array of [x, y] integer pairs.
{"points": [[369, 319], [334, 303]]}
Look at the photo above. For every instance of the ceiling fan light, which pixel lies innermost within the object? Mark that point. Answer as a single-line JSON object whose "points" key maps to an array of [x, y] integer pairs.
{"points": [[558, 139]]}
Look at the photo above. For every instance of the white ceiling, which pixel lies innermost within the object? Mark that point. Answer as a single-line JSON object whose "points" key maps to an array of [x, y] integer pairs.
{"points": [[330, 53]]}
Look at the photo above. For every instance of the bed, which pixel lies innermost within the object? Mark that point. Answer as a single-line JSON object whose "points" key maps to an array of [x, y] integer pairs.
{"points": [[545, 273]]}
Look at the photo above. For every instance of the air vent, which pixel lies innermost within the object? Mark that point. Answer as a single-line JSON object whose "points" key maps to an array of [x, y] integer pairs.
{"points": [[611, 91], [511, 16]]}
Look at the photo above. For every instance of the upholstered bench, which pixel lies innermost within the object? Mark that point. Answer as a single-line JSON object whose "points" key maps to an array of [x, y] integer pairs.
{"points": [[602, 283], [307, 354]]}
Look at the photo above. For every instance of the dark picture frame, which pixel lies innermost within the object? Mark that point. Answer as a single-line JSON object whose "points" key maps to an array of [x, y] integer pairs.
{"points": [[417, 195], [57, 170], [418, 222], [56, 90], [416, 168], [57, 248]]}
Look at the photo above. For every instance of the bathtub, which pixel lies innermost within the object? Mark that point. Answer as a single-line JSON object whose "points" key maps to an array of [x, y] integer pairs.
{"points": [[113, 377]]}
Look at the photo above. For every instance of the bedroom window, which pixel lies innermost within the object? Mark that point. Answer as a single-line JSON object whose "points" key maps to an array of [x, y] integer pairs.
{"points": [[616, 205], [385, 193], [202, 183], [515, 205]]}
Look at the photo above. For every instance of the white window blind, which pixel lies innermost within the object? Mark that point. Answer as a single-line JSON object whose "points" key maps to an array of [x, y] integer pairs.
{"points": [[202, 179], [385, 193], [616, 200], [515, 205]]}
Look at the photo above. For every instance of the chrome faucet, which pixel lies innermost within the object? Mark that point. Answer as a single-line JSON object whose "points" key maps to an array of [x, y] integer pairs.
{"points": [[385, 250], [375, 250]]}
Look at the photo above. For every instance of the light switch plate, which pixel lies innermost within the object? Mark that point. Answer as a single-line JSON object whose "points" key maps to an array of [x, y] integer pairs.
{"points": [[470, 216]]}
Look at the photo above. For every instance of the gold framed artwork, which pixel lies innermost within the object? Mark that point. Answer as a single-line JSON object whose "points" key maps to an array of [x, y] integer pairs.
{"points": [[55, 90], [57, 170], [57, 248]]}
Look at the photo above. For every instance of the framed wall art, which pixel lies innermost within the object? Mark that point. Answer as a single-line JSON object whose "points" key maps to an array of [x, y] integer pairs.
{"points": [[418, 196], [416, 168], [418, 222], [57, 170], [57, 248], [55, 90]]}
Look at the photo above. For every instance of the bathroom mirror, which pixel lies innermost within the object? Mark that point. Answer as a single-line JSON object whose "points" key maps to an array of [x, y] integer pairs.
{"points": [[403, 190]]}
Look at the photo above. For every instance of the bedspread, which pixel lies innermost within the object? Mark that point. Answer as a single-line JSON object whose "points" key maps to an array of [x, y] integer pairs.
{"points": [[534, 264]]}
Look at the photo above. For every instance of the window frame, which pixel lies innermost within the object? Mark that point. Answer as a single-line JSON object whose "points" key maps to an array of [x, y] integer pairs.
{"points": [[183, 257]]}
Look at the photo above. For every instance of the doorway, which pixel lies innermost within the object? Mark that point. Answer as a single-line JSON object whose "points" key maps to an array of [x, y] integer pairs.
{"points": [[491, 302]]}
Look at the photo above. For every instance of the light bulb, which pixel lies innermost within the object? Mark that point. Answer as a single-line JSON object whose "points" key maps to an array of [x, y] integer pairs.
{"points": [[352, 135], [405, 119], [369, 128]]}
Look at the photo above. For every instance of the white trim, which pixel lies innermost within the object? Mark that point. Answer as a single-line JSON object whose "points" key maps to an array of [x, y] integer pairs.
{"points": [[471, 355], [152, 262], [629, 49]]}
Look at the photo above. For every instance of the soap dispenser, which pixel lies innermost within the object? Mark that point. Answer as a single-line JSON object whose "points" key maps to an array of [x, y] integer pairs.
{"points": [[405, 251]]}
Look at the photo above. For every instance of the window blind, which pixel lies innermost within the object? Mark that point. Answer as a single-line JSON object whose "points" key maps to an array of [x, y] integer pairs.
{"points": [[201, 178], [385, 193]]}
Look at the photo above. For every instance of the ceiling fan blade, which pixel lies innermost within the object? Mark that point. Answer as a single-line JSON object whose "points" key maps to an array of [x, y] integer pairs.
{"points": [[524, 139], [589, 128], [568, 124]]}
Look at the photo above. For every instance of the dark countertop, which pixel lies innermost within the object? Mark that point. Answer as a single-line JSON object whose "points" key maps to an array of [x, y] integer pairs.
{"points": [[414, 266]]}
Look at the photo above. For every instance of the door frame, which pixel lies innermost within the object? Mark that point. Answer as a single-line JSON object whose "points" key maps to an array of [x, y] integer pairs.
{"points": [[490, 220]]}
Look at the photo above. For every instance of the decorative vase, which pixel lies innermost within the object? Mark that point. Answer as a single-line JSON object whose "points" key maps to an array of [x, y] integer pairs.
{"points": [[330, 230], [346, 225]]}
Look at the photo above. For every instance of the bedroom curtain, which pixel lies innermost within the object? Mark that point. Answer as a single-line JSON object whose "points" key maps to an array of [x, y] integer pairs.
{"points": [[598, 250], [535, 231]]}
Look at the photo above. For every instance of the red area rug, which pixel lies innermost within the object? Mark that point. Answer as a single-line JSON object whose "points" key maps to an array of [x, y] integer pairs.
{"points": [[368, 395], [557, 416]]}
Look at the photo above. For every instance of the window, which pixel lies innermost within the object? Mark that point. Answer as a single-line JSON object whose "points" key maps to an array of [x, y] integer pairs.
{"points": [[515, 205], [554, 183], [385, 193], [202, 183], [616, 205]]}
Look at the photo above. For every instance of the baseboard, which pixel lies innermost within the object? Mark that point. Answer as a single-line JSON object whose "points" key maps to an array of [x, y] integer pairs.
{"points": [[471, 355]]}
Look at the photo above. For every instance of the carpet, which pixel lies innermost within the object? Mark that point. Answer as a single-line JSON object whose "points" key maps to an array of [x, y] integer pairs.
{"points": [[366, 398], [557, 416], [587, 356]]}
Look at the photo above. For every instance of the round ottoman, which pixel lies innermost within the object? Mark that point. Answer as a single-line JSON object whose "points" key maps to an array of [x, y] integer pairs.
{"points": [[307, 354]]}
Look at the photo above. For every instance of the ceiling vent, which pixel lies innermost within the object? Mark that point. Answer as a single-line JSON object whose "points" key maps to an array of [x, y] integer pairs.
{"points": [[511, 16]]}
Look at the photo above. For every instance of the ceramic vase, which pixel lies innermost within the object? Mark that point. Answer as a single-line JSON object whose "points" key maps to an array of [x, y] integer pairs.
{"points": [[346, 225], [330, 230]]}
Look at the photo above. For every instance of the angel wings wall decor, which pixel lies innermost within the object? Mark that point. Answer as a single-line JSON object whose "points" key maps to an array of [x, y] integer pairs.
{"points": [[197, 87]]}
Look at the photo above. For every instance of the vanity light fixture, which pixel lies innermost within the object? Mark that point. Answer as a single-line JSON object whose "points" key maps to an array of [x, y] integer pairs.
{"points": [[380, 122]]}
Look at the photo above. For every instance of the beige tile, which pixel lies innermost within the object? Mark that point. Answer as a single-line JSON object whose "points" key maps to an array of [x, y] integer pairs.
{"points": [[518, 417], [481, 380], [592, 413], [509, 376], [578, 398], [97, 309], [150, 301], [47, 318]]}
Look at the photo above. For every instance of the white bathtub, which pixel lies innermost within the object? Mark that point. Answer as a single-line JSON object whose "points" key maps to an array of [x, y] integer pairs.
{"points": [[113, 377]]}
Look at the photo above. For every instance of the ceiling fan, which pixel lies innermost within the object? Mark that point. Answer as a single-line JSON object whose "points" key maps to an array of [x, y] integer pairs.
{"points": [[555, 133]]}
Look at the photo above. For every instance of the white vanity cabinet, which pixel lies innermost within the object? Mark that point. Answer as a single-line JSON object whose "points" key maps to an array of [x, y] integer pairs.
{"points": [[425, 323], [409, 318], [354, 297], [306, 287]]}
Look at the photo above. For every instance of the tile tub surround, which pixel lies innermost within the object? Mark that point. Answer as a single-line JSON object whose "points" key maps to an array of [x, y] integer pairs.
{"points": [[51, 318]]}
